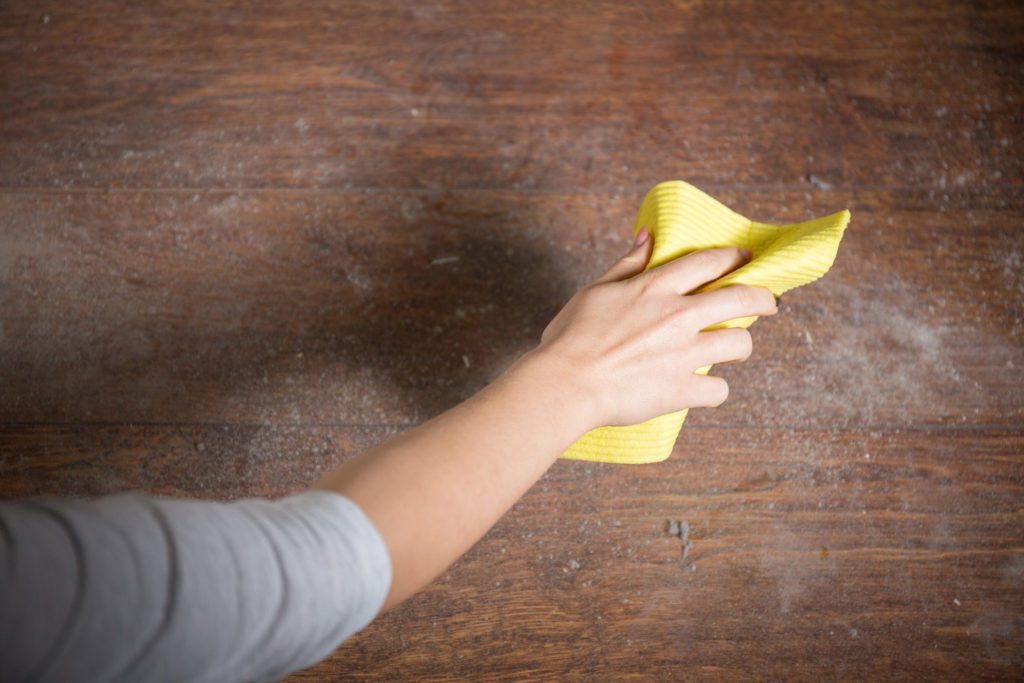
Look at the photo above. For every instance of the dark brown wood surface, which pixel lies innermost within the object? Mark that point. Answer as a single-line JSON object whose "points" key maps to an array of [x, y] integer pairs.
{"points": [[241, 242]]}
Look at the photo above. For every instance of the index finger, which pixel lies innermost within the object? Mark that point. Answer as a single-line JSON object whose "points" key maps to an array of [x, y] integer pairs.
{"points": [[687, 273]]}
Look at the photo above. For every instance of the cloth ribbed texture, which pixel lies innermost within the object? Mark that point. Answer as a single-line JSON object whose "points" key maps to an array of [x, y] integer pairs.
{"points": [[683, 219]]}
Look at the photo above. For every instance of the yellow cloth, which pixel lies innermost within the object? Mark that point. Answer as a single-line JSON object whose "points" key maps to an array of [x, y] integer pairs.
{"points": [[684, 219]]}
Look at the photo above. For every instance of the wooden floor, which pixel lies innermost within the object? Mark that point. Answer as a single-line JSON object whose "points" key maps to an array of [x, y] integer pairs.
{"points": [[240, 244]]}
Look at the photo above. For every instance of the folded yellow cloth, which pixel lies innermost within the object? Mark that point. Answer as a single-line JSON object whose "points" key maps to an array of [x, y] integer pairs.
{"points": [[683, 219]]}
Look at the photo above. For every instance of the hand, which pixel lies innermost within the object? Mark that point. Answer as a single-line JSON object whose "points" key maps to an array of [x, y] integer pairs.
{"points": [[633, 339]]}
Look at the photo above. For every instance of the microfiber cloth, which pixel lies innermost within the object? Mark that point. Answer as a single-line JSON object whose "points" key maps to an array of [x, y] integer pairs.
{"points": [[683, 219]]}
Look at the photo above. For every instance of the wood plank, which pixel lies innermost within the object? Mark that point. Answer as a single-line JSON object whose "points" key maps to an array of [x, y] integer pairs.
{"points": [[813, 553], [241, 243], [513, 95], [807, 560], [207, 461], [298, 307]]}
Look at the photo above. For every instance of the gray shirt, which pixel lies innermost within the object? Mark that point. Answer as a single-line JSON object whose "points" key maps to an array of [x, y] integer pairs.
{"points": [[138, 588]]}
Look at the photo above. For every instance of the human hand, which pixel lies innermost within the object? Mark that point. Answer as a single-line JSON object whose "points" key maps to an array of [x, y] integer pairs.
{"points": [[633, 339]]}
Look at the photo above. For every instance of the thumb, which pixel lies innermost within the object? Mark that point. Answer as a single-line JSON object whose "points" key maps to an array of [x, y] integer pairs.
{"points": [[634, 262]]}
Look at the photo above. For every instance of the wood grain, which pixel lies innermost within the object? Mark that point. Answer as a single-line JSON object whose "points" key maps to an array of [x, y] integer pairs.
{"points": [[242, 242], [352, 306], [809, 553], [529, 96]]}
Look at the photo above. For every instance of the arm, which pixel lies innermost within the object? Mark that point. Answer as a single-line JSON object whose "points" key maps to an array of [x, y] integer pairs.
{"points": [[132, 587], [435, 490], [622, 351], [140, 588]]}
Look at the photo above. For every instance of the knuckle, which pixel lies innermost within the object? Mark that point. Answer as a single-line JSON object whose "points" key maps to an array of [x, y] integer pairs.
{"points": [[683, 316]]}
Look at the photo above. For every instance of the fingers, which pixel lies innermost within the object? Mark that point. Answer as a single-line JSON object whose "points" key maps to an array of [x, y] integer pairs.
{"points": [[633, 262], [727, 303], [729, 345], [708, 391], [689, 272]]}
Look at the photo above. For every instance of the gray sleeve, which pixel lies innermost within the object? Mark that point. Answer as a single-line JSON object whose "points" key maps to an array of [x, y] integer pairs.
{"points": [[138, 588]]}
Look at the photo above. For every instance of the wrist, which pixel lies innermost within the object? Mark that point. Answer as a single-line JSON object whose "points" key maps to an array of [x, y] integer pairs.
{"points": [[554, 382]]}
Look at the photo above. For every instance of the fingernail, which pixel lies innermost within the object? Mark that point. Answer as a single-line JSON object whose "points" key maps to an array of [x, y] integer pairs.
{"points": [[641, 237]]}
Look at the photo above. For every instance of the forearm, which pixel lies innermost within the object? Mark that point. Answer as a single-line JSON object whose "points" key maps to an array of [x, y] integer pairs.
{"points": [[435, 490]]}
